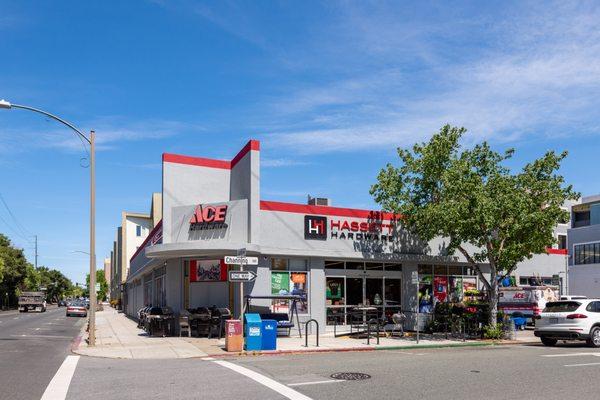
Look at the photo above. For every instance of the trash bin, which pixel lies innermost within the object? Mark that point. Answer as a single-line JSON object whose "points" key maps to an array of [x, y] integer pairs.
{"points": [[234, 339], [269, 334], [253, 332]]}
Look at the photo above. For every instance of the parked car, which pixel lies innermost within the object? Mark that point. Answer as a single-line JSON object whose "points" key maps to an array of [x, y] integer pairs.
{"points": [[76, 309], [569, 320], [62, 303]]}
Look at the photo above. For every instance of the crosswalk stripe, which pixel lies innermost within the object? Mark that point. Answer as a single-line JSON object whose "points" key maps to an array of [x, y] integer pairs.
{"points": [[59, 385]]}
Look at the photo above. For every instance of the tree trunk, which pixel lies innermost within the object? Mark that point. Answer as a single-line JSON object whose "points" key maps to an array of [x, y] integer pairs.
{"points": [[493, 298]]}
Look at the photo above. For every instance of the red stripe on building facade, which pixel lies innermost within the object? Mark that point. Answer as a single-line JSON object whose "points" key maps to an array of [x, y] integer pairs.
{"points": [[211, 162], [326, 210]]}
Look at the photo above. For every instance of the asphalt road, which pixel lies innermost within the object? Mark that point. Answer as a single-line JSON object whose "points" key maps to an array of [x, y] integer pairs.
{"points": [[32, 348], [498, 372]]}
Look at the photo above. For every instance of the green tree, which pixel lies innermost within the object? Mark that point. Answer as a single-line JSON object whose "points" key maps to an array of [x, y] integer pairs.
{"points": [[17, 275], [101, 279], [468, 196], [57, 285]]}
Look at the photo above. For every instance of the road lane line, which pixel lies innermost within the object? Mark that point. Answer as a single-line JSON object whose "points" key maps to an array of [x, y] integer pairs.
{"points": [[263, 380], [44, 336], [572, 355], [316, 382], [581, 365], [59, 385]]}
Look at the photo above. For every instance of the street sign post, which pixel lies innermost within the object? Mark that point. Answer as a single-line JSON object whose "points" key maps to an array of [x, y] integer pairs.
{"points": [[241, 258], [241, 276]]}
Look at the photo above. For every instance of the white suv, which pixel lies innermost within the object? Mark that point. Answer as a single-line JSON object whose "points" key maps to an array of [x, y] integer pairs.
{"points": [[569, 320]]}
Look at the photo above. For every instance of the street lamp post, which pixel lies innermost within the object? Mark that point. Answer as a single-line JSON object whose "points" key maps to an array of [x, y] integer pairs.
{"points": [[91, 141]]}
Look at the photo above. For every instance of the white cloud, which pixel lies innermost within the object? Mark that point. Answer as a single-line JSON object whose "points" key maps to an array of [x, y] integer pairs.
{"points": [[536, 75], [111, 132], [280, 162]]}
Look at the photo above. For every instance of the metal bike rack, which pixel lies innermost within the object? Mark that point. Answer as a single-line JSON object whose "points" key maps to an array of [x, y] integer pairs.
{"points": [[369, 323], [306, 331]]}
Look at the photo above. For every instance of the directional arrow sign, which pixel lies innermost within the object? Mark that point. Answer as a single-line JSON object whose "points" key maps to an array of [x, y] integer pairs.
{"points": [[241, 276], [241, 260]]}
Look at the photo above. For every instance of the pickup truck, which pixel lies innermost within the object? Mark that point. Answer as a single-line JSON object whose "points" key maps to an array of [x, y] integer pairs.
{"points": [[32, 301]]}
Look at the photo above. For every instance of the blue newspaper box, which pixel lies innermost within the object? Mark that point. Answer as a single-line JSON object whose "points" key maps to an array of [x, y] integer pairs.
{"points": [[253, 332], [269, 334]]}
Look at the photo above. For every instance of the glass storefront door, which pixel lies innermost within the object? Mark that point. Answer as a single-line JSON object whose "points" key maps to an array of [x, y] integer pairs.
{"points": [[343, 293]]}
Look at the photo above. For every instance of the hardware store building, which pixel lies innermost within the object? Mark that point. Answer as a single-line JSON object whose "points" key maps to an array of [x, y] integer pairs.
{"points": [[337, 258]]}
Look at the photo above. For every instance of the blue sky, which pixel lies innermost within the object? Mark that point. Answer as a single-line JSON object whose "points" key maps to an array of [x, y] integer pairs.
{"points": [[329, 88]]}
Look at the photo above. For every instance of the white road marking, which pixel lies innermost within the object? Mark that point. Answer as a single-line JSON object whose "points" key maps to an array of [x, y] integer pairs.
{"points": [[571, 355], [581, 365], [263, 380], [44, 336], [315, 382], [59, 385], [208, 359], [16, 318]]}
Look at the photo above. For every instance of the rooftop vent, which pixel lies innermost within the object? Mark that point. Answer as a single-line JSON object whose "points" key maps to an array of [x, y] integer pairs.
{"points": [[318, 201]]}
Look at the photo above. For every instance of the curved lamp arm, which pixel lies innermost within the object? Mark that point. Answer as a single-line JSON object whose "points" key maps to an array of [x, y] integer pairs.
{"points": [[6, 104]]}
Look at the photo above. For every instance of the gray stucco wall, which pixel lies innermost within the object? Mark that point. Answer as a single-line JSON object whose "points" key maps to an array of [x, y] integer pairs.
{"points": [[184, 185], [583, 279]]}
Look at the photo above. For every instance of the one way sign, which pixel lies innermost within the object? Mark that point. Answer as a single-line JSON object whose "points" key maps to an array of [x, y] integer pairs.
{"points": [[241, 276]]}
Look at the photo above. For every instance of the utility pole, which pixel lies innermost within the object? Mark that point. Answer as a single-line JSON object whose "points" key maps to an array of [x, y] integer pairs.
{"points": [[36, 253], [92, 289]]}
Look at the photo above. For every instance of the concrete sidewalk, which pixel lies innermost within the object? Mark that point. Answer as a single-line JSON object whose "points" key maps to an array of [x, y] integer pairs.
{"points": [[119, 337]]}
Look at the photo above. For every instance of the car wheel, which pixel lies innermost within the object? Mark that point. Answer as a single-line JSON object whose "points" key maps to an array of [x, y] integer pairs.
{"points": [[594, 339], [548, 341]]}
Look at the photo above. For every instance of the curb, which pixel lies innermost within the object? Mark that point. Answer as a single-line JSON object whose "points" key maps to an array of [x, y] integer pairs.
{"points": [[364, 349], [77, 340]]}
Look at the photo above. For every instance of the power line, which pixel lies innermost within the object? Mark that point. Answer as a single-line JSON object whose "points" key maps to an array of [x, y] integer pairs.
{"points": [[15, 231], [20, 226]]}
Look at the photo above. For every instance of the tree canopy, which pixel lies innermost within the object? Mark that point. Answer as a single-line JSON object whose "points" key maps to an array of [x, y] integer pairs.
{"points": [[470, 196], [18, 275]]}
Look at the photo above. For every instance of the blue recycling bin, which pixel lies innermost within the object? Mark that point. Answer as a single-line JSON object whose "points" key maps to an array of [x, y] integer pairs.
{"points": [[253, 332], [269, 334]]}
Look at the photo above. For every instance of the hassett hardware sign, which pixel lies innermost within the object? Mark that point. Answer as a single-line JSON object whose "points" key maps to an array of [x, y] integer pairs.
{"points": [[316, 228]]}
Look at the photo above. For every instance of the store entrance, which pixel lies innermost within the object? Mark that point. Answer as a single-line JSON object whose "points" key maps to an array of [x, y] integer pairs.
{"points": [[352, 286]]}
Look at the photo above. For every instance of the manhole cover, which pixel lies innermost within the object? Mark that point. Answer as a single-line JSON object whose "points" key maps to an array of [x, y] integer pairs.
{"points": [[350, 376]]}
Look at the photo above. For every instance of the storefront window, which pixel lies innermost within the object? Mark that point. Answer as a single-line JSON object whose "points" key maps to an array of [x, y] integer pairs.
{"points": [[334, 264], [354, 291], [455, 270], [279, 264], [425, 269], [393, 267], [455, 291], [425, 294], [440, 270], [355, 265], [374, 266], [334, 288], [374, 292], [292, 281]]}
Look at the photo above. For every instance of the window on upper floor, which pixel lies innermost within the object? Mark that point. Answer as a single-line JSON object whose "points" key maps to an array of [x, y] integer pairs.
{"points": [[588, 253], [138, 230], [562, 242]]}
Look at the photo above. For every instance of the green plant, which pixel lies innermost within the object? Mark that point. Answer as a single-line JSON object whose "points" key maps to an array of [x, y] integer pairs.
{"points": [[494, 333]]}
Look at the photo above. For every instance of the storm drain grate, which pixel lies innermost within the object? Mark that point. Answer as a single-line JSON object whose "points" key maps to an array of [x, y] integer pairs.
{"points": [[350, 376]]}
